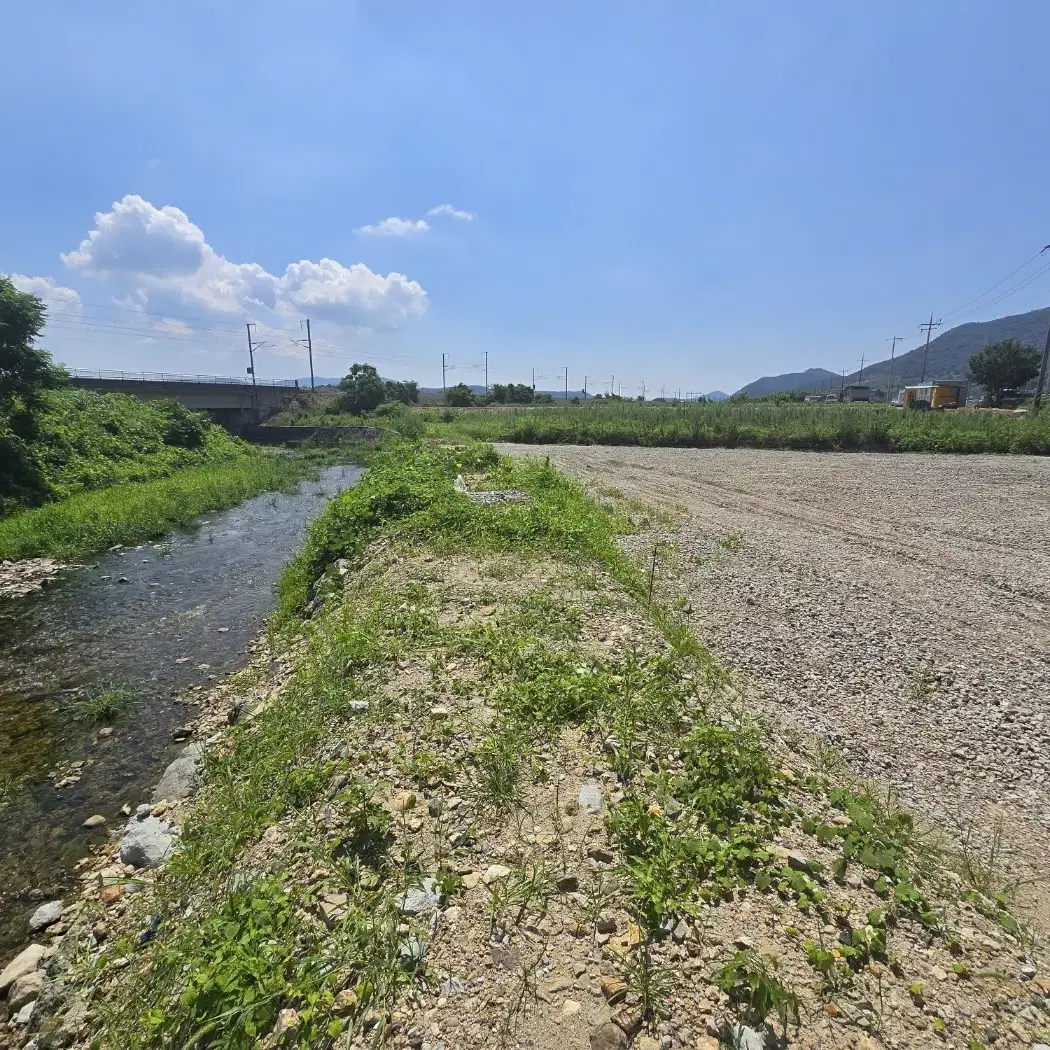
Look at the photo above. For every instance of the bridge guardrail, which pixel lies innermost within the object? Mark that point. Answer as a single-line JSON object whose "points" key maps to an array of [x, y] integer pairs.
{"points": [[170, 377]]}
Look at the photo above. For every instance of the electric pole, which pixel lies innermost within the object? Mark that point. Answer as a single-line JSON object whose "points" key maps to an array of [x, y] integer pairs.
{"points": [[251, 352], [566, 382], [929, 326], [584, 388], [534, 379], [444, 388], [612, 384], [895, 339], [861, 379], [643, 389], [1042, 369], [486, 373], [309, 349]]}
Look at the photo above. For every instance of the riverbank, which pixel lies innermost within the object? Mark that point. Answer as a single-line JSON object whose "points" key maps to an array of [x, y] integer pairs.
{"points": [[89, 522], [485, 788]]}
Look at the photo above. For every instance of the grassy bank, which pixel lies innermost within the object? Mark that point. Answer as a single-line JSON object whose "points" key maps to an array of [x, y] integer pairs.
{"points": [[488, 766], [89, 522], [81, 441], [820, 427]]}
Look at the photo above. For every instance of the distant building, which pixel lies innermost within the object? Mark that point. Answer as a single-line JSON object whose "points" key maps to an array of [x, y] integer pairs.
{"points": [[857, 392], [949, 393]]}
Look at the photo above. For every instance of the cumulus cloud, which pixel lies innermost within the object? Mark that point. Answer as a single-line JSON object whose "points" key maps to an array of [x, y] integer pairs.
{"points": [[137, 238], [351, 294], [57, 297], [394, 227], [456, 213], [158, 257]]}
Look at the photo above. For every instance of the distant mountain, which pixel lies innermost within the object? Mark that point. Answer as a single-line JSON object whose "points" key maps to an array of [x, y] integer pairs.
{"points": [[716, 395], [319, 381], [949, 353], [812, 379]]}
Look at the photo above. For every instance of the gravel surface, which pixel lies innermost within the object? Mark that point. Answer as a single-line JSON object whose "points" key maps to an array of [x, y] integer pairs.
{"points": [[896, 607]]}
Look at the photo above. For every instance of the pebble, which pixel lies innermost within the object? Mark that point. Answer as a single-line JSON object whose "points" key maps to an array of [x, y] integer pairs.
{"points": [[590, 800]]}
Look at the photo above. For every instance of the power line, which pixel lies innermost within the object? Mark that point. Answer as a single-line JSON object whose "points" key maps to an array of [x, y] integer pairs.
{"points": [[951, 313]]}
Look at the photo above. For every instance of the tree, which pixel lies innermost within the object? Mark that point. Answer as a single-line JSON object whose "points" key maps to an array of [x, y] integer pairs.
{"points": [[26, 371], [459, 396], [1006, 365], [362, 390], [512, 394], [406, 392]]}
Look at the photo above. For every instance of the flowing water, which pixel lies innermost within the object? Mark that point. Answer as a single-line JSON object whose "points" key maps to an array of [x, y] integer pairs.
{"points": [[152, 620]]}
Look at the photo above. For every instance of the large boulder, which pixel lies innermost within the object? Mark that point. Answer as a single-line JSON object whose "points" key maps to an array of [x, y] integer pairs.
{"points": [[147, 841], [180, 778], [20, 965]]}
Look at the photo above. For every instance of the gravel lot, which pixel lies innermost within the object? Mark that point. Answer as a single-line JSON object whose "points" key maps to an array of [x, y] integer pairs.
{"points": [[895, 606]]}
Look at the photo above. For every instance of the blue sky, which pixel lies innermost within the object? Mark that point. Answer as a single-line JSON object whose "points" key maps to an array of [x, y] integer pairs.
{"points": [[686, 194]]}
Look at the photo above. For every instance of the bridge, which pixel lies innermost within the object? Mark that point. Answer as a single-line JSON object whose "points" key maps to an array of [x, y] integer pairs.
{"points": [[234, 403]]}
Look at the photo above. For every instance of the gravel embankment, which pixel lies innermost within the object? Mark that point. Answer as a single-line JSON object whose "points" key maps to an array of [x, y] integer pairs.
{"points": [[896, 607]]}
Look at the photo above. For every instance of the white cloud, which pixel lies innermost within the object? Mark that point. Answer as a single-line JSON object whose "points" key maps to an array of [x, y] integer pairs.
{"points": [[447, 209], [351, 294], [394, 227], [137, 238], [57, 298], [157, 258]]}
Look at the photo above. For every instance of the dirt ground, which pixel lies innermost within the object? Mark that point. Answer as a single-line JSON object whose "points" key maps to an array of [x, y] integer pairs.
{"points": [[894, 607]]}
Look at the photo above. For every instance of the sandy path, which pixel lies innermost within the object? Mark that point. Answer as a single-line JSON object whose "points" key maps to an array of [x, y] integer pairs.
{"points": [[896, 606]]}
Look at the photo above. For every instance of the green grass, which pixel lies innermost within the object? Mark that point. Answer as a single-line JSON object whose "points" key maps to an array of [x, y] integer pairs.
{"points": [[106, 707], [130, 513], [82, 441], [819, 427]]}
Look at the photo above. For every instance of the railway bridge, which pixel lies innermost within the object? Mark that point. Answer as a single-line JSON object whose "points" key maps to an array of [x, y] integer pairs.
{"points": [[236, 404]]}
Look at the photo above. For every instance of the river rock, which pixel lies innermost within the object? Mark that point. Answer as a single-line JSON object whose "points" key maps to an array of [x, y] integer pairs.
{"points": [[94, 822], [20, 965], [608, 1037], [46, 915], [180, 778], [24, 1015], [25, 990], [146, 842]]}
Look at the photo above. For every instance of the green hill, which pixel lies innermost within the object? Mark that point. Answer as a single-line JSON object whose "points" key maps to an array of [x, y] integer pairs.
{"points": [[949, 353]]}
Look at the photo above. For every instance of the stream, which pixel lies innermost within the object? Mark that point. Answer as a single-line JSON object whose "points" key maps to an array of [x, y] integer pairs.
{"points": [[152, 620]]}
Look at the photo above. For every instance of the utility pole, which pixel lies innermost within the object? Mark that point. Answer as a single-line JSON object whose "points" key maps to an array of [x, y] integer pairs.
{"points": [[534, 379], [309, 349], [584, 388], [566, 382], [643, 389], [861, 379], [612, 384], [896, 339], [486, 373], [929, 326], [444, 388], [1046, 354], [251, 352], [1042, 368]]}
